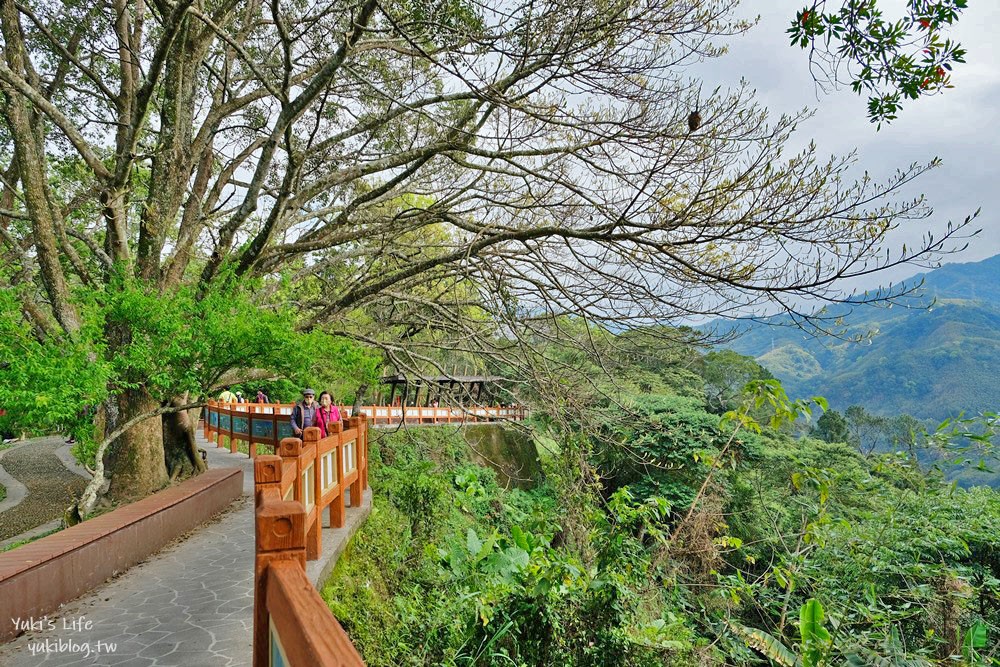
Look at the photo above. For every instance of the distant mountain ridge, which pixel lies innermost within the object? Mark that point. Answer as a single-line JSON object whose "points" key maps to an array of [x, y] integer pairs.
{"points": [[931, 361]]}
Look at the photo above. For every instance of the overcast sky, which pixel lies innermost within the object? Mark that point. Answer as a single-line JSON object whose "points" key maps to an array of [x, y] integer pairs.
{"points": [[959, 126]]}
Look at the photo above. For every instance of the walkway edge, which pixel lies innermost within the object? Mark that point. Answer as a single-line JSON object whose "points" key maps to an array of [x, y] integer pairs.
{"points": [[65, 454], [16, 492], [34, 532], [319, 571], [37, 578]]}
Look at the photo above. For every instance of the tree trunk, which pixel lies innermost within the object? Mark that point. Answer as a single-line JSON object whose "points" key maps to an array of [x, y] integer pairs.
{"points": [[135, 461], [359, 396], [179, 446]]}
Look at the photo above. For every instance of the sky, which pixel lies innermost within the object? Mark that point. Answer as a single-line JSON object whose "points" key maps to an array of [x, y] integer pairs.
{"points": [[959, 126]]}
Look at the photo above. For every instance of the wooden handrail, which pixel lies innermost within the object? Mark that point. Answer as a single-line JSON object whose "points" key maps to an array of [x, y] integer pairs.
{"points": [[301, 628], [291, 621], [291, 491]]}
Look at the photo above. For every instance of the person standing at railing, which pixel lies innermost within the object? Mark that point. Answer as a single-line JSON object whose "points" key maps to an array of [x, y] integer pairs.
{"points": [[304, 413], [239, 397], [227, 396], [326, 414], [262, 397]]}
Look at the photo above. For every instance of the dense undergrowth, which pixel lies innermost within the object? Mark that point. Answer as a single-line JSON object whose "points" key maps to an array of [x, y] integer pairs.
{"points": [[607, 562], [452, 569]]}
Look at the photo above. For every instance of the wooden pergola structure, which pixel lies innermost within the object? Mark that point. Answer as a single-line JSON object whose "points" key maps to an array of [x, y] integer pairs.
{"points": [[440, 388]]}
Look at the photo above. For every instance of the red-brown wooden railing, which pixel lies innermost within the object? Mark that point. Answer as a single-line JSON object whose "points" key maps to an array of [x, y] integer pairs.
{"points": [[252, 423], [291, 624], [383, 414], [267, 423]]}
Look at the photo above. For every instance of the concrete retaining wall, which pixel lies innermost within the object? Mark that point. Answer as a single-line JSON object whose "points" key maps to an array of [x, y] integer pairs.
{"points": [[511, 453]]}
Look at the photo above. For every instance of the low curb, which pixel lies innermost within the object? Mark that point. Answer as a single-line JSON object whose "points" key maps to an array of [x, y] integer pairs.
{"points": [[16, 491]]}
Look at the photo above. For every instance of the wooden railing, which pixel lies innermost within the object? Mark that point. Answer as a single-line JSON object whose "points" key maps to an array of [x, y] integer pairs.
{"points": [[382, 414], [252, 423], [292, 624], [267, 423]]}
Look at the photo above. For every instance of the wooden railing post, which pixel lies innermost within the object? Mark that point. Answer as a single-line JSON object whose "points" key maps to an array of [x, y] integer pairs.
{"points": [[289, 450], [279, 530], [363, 448], [337, 506], [266, 478], [314, 534], [357, 496]]}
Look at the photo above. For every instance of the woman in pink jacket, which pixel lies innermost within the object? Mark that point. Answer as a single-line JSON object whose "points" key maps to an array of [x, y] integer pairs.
{"points": [[327, 414]]}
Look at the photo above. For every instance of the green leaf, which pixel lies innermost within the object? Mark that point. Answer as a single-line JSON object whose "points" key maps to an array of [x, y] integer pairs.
{"points": [[767, 646], [815, 638], [518, 558], [472, 542], [975, 639], [519, 538]]}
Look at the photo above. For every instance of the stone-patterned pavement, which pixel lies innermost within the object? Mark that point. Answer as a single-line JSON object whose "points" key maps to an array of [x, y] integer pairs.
{"points": [[189, 605]]}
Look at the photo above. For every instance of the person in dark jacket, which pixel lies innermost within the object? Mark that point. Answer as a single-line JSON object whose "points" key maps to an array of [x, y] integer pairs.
{"points": [[304, 412]]}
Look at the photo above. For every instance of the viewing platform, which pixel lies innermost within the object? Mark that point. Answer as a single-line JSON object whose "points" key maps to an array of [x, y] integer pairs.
{"points": [[267, 423], [242, 589]]}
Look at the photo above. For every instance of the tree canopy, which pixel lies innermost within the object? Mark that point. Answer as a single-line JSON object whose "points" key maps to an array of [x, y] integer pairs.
{"points": [[422, 178]]}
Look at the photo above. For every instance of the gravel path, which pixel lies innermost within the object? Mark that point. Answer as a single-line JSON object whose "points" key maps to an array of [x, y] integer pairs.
{"points": [[51, 487]]}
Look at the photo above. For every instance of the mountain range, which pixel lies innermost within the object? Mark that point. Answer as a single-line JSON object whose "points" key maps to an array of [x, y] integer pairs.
{"points": [[931, 357]]}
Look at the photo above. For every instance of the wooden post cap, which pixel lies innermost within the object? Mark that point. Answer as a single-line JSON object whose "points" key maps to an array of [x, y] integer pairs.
{"points": [[267, 469], [281, 525], [336, 427], [311, 434], [290, 447]]}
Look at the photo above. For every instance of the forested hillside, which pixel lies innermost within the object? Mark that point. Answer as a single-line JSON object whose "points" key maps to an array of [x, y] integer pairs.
{"points": [[934, 359], [688, 537]]}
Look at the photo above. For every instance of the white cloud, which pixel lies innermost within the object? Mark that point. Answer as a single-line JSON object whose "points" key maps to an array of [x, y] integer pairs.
{"points": [[959, 126]]}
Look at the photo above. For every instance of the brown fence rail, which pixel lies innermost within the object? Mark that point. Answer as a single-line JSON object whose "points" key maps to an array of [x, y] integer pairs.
{"points": [[292, 488], [383, 414], [252, 423], [267, 423], [292, 624]]}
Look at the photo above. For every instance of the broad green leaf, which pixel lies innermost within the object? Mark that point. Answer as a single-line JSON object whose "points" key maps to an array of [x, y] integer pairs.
{"points": [[975, 639], [767, 646], [472, 542], [519, 538], [815, 638]]}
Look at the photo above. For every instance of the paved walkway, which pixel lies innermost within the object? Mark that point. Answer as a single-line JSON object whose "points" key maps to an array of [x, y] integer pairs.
{"points": [[190, 605]]}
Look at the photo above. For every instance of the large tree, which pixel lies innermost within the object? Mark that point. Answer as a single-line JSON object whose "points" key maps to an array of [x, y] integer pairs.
{"points": [[416, 175]]}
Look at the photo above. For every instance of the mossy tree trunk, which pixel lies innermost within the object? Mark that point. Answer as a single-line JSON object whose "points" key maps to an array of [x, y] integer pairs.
{"points": [[179, 445], [135, 460]]}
